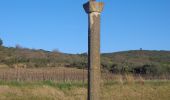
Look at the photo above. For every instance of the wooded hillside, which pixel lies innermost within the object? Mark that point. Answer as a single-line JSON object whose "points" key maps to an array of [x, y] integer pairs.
{"points": [[135, 61]]}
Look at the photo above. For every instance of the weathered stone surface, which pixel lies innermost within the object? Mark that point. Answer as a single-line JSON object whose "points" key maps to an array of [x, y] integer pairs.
{"points": [[93, 6], [94, 9], [94, 56]]}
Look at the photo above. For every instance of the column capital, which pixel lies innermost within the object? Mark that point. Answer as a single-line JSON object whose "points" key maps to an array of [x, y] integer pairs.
{"points": [[93, 6]]}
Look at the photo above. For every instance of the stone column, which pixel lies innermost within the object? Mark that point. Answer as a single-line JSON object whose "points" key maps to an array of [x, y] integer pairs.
{"points": [[93, 9]]}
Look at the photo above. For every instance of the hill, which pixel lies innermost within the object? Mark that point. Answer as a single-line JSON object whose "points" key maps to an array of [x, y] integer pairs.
{"points": [[134, 61]]}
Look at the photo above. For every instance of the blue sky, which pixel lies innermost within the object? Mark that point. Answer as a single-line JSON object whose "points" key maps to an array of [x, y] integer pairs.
{"points": [[62, 25]]}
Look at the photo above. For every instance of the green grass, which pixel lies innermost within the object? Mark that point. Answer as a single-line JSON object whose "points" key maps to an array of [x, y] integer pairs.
{"points": [[111, 90], [60, 85]]}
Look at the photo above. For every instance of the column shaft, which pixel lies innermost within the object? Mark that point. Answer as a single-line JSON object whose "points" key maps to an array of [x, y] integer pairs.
{"points": [[93, 9], [94, 56]]}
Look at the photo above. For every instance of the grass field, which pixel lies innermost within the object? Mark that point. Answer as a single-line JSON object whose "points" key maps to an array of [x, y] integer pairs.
{"points": [[111, 90]]}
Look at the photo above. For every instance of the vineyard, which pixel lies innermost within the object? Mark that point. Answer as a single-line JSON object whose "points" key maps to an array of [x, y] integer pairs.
{"points": [[71, 84], [65, 75]]}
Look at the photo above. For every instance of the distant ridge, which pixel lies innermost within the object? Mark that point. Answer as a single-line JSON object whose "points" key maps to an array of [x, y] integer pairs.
{"points": [[132, 59]]}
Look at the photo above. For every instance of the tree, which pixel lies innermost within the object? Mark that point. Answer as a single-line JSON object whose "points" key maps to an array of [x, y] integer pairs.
{"points": [[17, 46], [1, 42]]}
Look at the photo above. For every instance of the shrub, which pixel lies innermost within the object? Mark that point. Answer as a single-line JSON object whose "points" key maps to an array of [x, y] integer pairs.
{"points": [[1, 42]]}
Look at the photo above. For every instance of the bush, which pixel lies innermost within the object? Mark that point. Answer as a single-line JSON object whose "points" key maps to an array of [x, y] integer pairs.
{"points": [[151, 69], [1, 42]]}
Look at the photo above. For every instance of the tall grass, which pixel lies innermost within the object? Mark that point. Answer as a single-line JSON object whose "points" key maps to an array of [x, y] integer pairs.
{"points": [[67, 75], [112, 90], [71, 84]]}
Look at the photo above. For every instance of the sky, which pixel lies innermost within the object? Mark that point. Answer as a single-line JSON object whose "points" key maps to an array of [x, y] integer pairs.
{"points": [[62, 25]]}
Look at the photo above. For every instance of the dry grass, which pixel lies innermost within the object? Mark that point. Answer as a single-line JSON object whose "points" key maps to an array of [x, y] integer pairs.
{"points": [[151, 90], [41, 91], [43, 74], [71, 84], [62, 74], [148, 91]]}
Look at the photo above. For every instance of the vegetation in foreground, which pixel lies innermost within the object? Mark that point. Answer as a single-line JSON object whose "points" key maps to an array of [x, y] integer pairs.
{"points": [[113, 90]]}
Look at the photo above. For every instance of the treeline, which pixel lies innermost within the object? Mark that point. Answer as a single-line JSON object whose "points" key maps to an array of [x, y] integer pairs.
{"points": [[137, 61]]}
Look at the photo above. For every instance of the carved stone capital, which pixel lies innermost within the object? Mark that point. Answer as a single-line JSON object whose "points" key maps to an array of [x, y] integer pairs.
{"points": [[93, 6]]}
